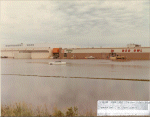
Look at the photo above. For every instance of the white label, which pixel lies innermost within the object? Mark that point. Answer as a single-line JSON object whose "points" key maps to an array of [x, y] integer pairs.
{"points": [[105, 107]]}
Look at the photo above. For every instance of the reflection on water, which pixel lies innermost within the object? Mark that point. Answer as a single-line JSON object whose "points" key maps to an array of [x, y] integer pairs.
{"points": [[79, 83]]}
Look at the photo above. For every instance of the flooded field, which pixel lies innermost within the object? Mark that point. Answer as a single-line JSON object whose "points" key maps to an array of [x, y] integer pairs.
{"points": [[79, 83]]}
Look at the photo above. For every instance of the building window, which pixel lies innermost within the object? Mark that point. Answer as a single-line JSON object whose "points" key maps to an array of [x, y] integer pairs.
{"points": [[30, 44], [65, 54]]}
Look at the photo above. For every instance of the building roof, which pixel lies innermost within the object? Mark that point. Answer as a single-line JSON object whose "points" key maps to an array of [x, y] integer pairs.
{"points": [[51, 45]]}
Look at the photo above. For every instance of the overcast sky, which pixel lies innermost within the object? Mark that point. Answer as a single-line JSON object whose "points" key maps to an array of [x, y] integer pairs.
{"points": [[83, 23]]}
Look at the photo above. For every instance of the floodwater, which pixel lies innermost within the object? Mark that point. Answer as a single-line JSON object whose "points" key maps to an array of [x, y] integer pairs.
{"points": [[79, 83]]}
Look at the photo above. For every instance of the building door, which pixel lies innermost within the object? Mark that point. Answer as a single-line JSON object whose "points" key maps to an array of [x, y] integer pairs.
{"points": [[112, 54], [103, 56], [65, 54]]}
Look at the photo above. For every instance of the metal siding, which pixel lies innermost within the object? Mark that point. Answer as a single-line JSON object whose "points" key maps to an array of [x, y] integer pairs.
{"points": [[40, 55], [22, 55]]}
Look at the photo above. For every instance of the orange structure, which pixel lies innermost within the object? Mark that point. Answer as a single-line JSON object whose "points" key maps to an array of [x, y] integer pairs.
{"points": [[55, 50]]}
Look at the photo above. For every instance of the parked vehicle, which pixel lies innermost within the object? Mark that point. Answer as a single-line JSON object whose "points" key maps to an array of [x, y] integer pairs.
{"points": [[57, 63], [90, 57], [4, 56], [118, 58]]}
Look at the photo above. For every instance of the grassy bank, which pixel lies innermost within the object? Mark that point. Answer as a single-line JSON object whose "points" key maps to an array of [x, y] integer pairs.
{"points": [[23, 109]]}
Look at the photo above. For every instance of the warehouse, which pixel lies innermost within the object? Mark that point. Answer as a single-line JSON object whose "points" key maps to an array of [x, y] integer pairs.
{"points": [[132, 52], [63, 51], [32, 51]]}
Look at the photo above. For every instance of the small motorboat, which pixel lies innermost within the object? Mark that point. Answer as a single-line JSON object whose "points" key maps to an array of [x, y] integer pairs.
{"points": [[57, 63], [90, 57]]}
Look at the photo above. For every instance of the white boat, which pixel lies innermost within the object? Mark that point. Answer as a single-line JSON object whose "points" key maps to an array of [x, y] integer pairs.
{"points": [[90, 57], [57, 63]]}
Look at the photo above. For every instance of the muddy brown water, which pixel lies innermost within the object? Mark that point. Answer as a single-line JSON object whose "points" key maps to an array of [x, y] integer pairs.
{"points": [[79, 83]]}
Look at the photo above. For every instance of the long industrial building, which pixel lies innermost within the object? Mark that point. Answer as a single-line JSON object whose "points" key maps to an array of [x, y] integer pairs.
{"points": [[32, 51], [132, 52], [63, 51]]}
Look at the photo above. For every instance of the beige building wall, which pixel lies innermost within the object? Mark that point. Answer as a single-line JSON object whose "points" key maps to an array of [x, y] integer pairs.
{"points": [[25, 52], [88, 50], [9, 54], [18, 55], [146, 50], [40, 55]]}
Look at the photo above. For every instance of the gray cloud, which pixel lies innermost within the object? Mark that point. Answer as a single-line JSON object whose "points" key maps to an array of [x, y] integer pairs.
{"points": [[76, 22]]}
